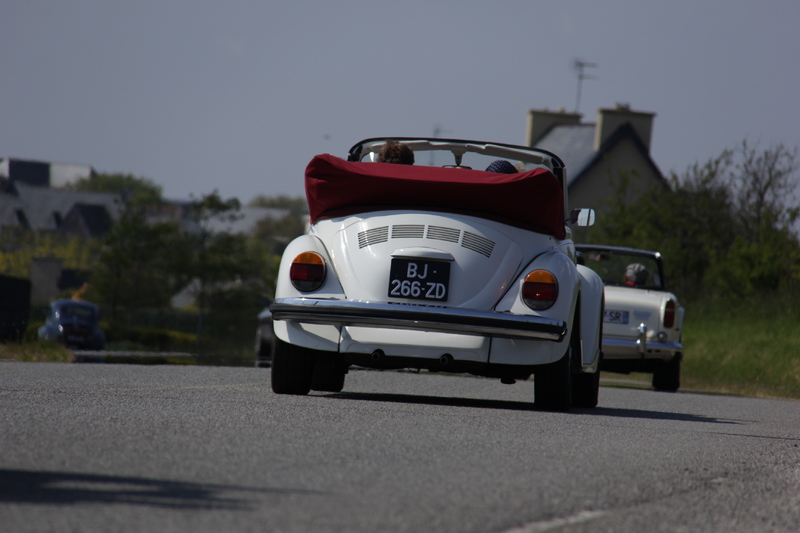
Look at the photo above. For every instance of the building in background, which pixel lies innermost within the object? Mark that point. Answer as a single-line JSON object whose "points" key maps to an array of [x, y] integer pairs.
{"points": [[30, 199], [598, 154]]}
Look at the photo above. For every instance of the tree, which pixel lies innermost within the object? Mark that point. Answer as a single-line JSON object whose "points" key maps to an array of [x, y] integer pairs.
{"points": [[19, 246], [216, 260], [135, 264], [134, 190], [724, 227], [764, 186]]}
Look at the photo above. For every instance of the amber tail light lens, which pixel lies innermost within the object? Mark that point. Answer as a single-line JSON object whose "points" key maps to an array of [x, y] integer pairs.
{"points": [[307, 272], [669, 314], [540, 290]]}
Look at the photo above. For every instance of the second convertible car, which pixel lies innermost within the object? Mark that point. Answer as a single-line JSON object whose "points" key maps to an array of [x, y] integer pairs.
{"points": [[440, 265], [643, 321]]}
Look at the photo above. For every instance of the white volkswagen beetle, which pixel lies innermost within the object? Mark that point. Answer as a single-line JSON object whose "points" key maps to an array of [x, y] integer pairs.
{"points": [[439, 265], [642, 319]]}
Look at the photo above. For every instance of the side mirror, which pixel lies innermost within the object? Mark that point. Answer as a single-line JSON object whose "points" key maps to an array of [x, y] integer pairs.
{"points": [[582, 217]]}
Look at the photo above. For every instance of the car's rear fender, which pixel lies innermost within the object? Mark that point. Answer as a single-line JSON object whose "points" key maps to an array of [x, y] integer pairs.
{"points": [[525, 352], [591, 316], [316, 336], [331, 288]]}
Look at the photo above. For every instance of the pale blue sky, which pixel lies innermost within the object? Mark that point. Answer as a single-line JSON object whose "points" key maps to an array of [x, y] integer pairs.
{"points": [[239, 95]]}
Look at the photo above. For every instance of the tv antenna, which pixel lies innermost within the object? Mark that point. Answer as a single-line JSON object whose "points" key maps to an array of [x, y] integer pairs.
{"points": [[438, 130], [579, 65]]}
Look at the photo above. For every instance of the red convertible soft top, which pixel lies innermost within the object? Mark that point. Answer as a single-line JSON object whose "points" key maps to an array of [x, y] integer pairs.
{"points": [[532, 200]]}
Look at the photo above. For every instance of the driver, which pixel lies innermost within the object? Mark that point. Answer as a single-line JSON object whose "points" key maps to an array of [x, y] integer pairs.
{"points": [[636, 275], [396, 152]]}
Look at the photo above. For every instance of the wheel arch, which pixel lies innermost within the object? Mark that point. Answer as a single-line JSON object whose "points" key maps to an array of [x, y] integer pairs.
{"points": [[591, 317]]}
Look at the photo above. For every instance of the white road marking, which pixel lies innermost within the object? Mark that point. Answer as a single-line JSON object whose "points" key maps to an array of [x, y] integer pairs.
{"points": [[549, 525]]}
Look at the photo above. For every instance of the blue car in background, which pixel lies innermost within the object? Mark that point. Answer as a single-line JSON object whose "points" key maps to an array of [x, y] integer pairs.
{"points": [[74, 323]]}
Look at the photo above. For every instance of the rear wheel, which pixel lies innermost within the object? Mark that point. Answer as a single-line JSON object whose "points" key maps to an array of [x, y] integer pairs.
{"points": [[667, 378], [552, 385], [292, 368], [328, 375], [586, 389]]}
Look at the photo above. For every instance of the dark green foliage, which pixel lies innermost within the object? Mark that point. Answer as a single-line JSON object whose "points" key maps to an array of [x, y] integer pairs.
{"points": [[725, 227], [135, 267]]}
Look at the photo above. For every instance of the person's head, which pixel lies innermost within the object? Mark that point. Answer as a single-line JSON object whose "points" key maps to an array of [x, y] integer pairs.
{"points": [[636, 275], [501, 166], [396, 152]]}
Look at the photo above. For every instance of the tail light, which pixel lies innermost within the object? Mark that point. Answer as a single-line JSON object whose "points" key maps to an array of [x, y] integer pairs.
{"points": [[539, 290], [669, 314], [307, 272]]}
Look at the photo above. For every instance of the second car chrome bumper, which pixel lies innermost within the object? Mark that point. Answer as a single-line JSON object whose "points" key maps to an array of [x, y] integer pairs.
{"points": [[417, 317], [636, 349]]}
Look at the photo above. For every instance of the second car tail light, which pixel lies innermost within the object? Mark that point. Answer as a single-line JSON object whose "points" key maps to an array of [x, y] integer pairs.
{"points": [[540, 290], [307, 272], [669, 314]]}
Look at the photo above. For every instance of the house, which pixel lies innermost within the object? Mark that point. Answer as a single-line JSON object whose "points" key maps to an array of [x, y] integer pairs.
{"points": [[28, 199], [80, 214], [41, 173], [598, 154]]}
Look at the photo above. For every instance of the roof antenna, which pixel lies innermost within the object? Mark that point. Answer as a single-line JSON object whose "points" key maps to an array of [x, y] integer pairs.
{"points": [[579, 65]]}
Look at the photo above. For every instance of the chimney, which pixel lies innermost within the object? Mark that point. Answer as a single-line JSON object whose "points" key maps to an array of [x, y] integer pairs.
{"points": [[541, 120], [610, 120]]}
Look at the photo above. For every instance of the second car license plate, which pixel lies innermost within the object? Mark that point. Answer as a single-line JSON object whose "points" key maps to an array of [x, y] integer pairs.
{"points": [[615, 317], [419, 279]]}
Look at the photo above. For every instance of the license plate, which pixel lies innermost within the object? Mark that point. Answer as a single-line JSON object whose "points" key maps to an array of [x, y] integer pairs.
{"points": [[615, 317], [419, 280]]}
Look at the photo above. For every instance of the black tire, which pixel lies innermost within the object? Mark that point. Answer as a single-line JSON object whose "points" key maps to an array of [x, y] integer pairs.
{"points": [[552, 385], [292, 368], [586, 389], [328, 376], [667, 378]]}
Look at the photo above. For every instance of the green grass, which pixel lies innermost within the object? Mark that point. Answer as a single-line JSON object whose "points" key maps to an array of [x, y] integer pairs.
{"points": [[37, 351], [734, 350], [750, 349]]}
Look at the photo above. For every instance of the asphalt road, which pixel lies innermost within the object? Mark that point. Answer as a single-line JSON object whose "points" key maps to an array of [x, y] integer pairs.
{"points": [[100, 447]]}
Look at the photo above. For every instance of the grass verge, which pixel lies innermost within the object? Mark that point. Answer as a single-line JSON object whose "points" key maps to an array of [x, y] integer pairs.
{"points": [[36, 352], [756, 353]]}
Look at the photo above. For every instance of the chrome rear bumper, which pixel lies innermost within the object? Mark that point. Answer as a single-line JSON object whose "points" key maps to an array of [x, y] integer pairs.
{"points": [[417, 317]]}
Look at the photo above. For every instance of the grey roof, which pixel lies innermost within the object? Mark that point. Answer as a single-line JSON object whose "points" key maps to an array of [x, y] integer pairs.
{"points": [[41, 204], [573, 143], [89, 220]]}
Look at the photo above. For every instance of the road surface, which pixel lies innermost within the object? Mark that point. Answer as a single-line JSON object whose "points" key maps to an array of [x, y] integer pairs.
{"points": [[106, 447]]}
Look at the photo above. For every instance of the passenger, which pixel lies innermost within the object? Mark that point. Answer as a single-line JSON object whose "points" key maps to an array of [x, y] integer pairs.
{"points": [[501, 166], [396, 152], [636, 275]]}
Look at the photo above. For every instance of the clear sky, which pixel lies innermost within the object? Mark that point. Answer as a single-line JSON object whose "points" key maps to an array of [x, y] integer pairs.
{"points": [[238, 95]]}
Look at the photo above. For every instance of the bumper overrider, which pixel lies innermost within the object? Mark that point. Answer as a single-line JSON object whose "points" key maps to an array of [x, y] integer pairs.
{"points": [[417, 317]]}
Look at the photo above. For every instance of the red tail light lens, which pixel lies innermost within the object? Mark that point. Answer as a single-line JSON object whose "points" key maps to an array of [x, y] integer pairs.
{"points": [[307, 272], [669, 314], [540, 290]]}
